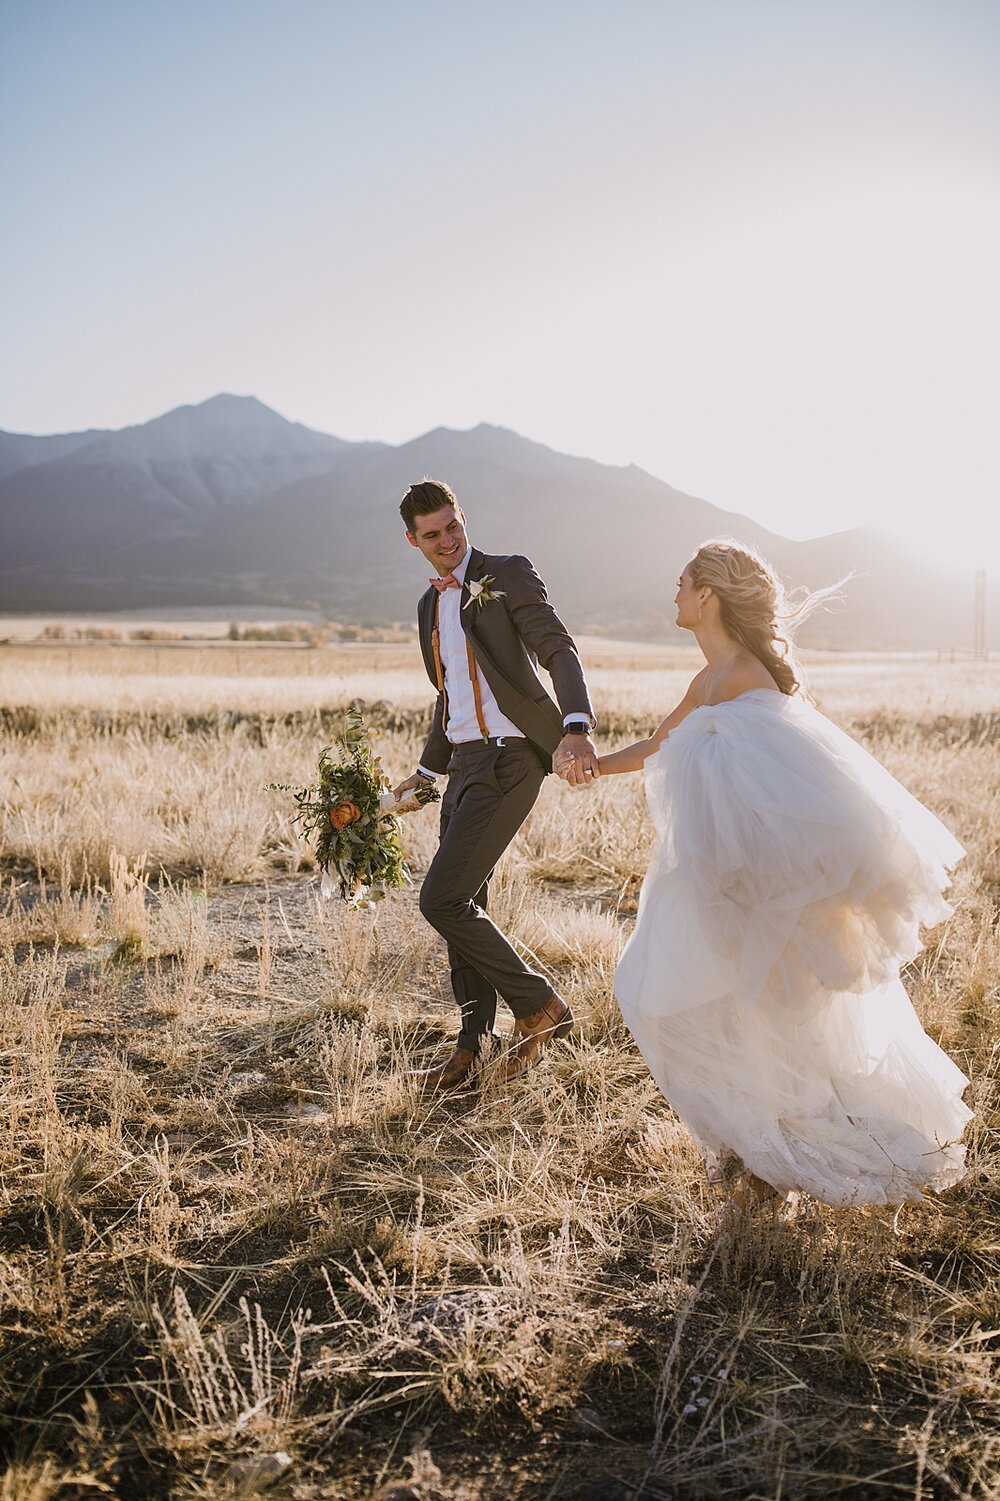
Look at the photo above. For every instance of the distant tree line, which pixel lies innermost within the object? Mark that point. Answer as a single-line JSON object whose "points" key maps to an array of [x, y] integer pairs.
{"points": [[295, 632]]}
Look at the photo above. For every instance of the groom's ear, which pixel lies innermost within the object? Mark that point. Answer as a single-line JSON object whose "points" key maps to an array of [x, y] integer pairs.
{"points": [[412, 540]]}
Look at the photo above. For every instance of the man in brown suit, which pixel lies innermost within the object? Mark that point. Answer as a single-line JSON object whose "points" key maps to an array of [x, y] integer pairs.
{"points": [[485, 623]]}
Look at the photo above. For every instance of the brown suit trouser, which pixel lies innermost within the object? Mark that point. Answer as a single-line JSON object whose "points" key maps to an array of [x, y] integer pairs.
{"points": [[491, 790]]}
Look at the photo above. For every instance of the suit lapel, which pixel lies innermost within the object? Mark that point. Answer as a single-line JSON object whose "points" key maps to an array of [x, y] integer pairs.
{"points": [[425, 624], [473, 574], [472, 619]]}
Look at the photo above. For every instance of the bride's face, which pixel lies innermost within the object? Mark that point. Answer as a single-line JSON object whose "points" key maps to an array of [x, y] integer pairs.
{"points": [[687, 601]]}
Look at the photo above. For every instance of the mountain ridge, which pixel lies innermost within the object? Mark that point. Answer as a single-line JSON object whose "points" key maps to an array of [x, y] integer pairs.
{"points": [[227, 501]]}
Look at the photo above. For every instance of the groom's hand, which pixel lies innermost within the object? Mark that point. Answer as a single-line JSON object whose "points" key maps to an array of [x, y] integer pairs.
{"points": [[417, 780], [583, 768]]}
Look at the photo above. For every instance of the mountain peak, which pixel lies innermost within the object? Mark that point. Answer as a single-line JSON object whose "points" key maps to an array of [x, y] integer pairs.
{"points": [[229, 419], [222, 398], [227, 401], [224, 409]]}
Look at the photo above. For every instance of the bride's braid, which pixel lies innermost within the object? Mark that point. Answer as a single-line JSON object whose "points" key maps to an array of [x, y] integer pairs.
{"points": [[753, 605]]}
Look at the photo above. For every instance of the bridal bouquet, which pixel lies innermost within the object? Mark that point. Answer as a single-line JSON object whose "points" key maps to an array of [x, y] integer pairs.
{"points": [[353, 816]]}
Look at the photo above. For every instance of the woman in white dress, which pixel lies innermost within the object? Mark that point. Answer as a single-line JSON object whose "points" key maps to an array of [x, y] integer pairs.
{"points": [[788, 882]]}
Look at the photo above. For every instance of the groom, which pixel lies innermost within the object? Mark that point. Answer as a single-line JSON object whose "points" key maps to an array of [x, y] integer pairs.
{"points": [[485, 622]]}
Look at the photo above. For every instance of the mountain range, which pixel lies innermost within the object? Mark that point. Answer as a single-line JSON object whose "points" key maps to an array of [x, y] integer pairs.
{"points": [[226, 503]]}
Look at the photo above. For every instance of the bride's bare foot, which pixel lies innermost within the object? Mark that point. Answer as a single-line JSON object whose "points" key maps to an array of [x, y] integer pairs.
{"points": [[753, 1193], [763, 1192]]}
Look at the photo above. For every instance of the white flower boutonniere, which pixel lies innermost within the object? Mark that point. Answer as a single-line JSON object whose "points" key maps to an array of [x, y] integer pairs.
{"points": [[481, 592]]}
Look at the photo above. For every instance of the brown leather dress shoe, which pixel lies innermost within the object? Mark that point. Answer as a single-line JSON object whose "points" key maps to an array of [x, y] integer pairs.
{"points": [[451, 1074], [532, 1035]]}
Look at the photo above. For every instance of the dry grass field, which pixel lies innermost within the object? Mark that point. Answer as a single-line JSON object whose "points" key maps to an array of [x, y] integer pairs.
{"points": [[231, 1229]]}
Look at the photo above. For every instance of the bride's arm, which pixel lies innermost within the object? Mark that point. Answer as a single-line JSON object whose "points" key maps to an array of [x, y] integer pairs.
{"points": [[633, 757]]}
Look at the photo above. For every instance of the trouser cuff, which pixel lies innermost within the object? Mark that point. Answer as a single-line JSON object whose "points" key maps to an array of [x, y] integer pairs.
{"points": [[473, 1041], [522, 1008]]}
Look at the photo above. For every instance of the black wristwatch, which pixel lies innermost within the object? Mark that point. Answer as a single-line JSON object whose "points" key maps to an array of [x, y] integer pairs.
{"points": [[578, 727]]}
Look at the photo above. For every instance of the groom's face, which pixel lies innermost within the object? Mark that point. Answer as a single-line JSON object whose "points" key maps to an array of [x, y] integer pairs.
{"points": [[441, 537]]}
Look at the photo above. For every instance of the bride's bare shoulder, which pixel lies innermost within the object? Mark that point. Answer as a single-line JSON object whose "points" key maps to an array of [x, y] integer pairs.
{"points": [[742, 675], [697, 689]]}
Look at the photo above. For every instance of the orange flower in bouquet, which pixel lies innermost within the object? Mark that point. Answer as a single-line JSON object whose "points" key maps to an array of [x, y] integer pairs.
{"points": [[354, 818]]}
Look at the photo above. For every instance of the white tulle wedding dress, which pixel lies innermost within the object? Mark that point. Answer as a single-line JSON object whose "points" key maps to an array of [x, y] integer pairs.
{"points": [[788, 881]]}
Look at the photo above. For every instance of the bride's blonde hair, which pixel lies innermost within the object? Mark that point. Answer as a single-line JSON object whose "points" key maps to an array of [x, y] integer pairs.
{"points": [[754, 608]]}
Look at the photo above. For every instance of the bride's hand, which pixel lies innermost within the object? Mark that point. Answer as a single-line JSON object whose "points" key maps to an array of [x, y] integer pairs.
{"points": [[563, 763]]}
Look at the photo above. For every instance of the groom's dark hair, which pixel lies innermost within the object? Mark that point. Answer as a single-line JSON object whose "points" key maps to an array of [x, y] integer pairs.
{"points": [[424, 499]]}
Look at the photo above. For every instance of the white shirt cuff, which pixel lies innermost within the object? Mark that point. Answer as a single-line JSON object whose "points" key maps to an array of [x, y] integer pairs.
{"points": [[574, 718], [425, 773]]}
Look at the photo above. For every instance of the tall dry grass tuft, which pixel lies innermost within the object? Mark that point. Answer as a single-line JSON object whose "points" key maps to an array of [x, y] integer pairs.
{"points": [[127, 921], [210, 1387], [62, 915]]}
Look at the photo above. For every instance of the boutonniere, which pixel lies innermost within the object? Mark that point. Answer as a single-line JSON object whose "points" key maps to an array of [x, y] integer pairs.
{"points": [[481, 592]]}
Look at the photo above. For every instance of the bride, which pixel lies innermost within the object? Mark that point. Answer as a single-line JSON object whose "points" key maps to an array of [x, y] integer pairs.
{"points": [[787, 885]]}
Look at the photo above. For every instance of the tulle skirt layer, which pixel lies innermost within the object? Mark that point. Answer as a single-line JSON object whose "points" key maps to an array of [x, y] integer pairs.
{"points": [[790, 878]]}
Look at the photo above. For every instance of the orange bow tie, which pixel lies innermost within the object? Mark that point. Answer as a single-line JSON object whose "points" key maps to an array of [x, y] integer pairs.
{"points": [[448, 581]]}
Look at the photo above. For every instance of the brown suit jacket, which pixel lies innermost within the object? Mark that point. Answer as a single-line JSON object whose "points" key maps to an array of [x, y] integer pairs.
{"points": [[509, 638]]}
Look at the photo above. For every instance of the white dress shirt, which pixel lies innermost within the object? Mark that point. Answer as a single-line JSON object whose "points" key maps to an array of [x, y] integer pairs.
{"points": [[463, 724]]}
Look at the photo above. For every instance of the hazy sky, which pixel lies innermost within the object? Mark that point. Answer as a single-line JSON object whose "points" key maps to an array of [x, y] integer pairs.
{"points": [[750, 245]]}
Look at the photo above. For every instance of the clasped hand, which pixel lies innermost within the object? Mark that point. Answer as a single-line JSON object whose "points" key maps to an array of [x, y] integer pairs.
{"points": [[575, 760]]}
